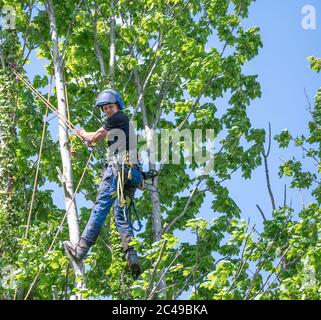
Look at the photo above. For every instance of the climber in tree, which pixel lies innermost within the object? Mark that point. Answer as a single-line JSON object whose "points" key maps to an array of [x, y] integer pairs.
{"points": [[119, 133]]}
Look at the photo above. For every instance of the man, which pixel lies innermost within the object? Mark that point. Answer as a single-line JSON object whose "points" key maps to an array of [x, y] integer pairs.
{"points": [[116, 126]]}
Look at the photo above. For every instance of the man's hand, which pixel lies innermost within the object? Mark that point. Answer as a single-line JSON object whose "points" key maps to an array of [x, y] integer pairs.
{"points": [[80, 132]]}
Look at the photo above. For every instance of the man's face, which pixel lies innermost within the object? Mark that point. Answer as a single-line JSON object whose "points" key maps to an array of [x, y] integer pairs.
{"points": [[110, 109]]}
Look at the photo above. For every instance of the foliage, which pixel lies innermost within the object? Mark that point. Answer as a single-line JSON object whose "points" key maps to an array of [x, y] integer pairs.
{"points": [[164, 55]]}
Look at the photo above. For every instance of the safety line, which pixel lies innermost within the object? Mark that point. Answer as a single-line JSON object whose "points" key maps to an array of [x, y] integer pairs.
{"points": [[38, 163]]}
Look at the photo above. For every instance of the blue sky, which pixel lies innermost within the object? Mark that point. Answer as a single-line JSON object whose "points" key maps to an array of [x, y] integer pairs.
{"points": [[284, 73]]}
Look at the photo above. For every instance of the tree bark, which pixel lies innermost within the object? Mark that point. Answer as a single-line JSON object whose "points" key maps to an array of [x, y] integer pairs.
{"points": [[70, 203], [112, 50]]}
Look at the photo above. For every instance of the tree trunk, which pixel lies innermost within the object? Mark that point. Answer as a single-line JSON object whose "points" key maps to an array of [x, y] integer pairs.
{"points": [[112, 50], [70, 203], [157, 218]]}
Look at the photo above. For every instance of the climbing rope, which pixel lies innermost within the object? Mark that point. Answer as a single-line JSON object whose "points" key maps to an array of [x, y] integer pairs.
{"points": [[43, 99], [60, 226], [66, 121], [68, 115], [38, 163], [140, 225]]}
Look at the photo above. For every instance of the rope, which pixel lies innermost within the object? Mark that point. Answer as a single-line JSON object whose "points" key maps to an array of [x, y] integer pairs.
{"points": [[67, 122], [44, 100], [68, 112], [38, 163], [59, 228], [140, 225]]}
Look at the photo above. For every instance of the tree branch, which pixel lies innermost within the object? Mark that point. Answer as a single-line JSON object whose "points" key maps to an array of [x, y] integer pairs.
{"points": [[97, 47], [188, 202], [159, 259], [261, 211], [141, 87], [112, 50], [163, 275], [62, 55], [267, 176]]}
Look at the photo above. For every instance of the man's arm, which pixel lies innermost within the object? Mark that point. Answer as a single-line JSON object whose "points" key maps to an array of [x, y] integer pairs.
{"points": [[100, 134]]}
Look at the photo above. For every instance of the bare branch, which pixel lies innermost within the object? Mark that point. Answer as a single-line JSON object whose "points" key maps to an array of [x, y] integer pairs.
{"points": [[269, 147], [97, 47], [140, 102], [128, 80], [188, 202], [267, 176], [163, 274], [141, 87], [261, 211], [259, 267], [309, 102], [161, 96], [276, 277], [159, 259], [243, 261], [112, 49], [302, 199]]}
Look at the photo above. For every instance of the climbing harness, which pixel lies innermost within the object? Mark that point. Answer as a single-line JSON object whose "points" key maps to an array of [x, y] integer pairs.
{"points": [[119, 162]]}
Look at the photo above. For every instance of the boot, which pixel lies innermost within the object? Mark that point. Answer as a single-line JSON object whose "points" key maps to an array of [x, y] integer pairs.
{"points": [[77, 251], [133, 263]]}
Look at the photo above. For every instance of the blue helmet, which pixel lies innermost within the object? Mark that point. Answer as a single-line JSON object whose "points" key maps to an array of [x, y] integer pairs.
{"points": [[109, 96]]}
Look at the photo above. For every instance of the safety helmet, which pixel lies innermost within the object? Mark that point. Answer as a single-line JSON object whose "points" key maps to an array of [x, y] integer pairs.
{"points": [[109, 96]]}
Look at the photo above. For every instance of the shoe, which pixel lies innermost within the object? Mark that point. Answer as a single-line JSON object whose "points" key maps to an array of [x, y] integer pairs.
{"points": [[77, 251], [133, 263]]}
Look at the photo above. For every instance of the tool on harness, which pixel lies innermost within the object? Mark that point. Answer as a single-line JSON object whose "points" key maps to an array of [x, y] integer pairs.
{"points": [[149, 174], [119, 165]]}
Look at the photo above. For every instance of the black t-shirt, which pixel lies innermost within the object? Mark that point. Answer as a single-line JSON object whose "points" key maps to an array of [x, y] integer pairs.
{"points": [[119, 130]]}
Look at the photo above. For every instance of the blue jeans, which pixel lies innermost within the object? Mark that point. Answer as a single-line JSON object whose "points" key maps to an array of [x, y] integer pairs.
{"points": [[107, 196]]}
